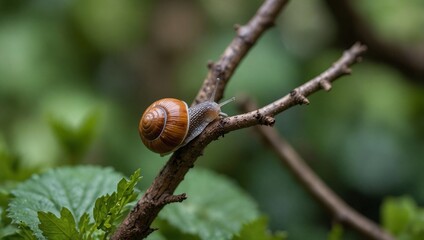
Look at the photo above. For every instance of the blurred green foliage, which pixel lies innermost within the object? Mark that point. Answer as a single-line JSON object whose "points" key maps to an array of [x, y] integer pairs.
{"points": [[403, 218], [336, 232], [216, 208], [75, 76]]}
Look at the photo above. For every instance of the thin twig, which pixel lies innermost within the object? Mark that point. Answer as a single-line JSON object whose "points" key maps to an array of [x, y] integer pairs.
{"points": [[137, 224], [340, 210], [295, 97]]}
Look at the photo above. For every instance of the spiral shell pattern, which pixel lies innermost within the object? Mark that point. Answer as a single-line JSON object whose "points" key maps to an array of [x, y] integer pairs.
{"points": [[164, 125]]}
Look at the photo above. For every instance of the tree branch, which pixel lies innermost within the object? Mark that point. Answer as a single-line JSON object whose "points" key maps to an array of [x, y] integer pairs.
{"points": [[137, 224], [341, 211], [138, 221]]}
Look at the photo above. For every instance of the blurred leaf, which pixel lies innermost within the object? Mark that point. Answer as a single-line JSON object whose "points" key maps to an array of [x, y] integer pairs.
{"points": [[394, 19], [12, 168], [75, 139], [228, 12], [156, 235], [110, 25], [38, 53], [34, 143], [168, 231], [5, 229], [74, 188], [336, 232], [21, 43], [216, 207], [397, 213], [8, 166], [62, 228], [257, 230], [416, 228], [402, 217], [306, 36]]}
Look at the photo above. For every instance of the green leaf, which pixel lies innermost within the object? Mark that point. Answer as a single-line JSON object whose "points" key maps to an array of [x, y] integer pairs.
{"points": [[397, 213], [156, 235], [75, 139], [168, 231], [84, 223], [109, 208], [416, 228], [215, 209], [62, 228], [25, 233], [75, 188], [336, 232], [257, 230], [11, 167], [403, 218], [7, 231]]}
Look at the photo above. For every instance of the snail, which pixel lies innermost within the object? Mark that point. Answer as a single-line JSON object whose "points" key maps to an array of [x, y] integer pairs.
{"points": [[169, 123]]}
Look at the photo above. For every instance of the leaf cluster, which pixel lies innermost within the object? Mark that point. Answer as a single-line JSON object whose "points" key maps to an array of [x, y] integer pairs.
{"points": [[45, 210], [403, 218], [108, 208], [78, 203]]}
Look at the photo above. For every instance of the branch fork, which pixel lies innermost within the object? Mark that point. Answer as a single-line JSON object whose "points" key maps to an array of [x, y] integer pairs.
{"points": [[137, 224]]}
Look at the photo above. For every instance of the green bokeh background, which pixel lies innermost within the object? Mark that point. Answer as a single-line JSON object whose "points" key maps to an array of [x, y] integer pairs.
{"points": [[107, 60]]}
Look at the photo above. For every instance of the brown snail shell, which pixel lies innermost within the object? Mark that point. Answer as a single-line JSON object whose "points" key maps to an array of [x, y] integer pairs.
{"points": [[164, 125]]}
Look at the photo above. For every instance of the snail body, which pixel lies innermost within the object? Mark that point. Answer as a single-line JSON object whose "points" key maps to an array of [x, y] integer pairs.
{"points": [[169, 123]]}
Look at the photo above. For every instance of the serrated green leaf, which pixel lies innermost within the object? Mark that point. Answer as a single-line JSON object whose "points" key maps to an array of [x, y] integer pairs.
{"points": [[109, 207], [125, 188], [216, 208], [75, 188], [84, 223], [397, 213], [257, 230], [103, 210], [62, 228]]}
